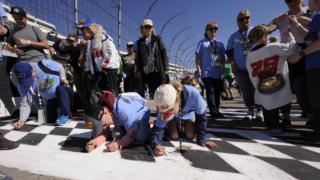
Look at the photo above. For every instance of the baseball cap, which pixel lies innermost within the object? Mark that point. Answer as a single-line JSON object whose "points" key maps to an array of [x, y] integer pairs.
{"points": [[165, 95], [130, 43], [23, 72], [147, 22], [18, 10], [85, 23], [94, 111], [107, 99], [257, 32]]}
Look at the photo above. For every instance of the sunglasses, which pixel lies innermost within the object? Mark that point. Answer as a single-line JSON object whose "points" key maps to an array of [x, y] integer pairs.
{"points": [[243, 19], [147, 27], [212, 29]]}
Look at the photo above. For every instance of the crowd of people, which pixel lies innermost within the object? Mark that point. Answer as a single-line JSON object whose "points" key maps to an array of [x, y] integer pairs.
{"points": [[266, 71]]}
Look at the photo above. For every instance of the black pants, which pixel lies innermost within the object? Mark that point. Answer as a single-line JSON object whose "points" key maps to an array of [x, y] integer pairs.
{"points": [[300, 88], [153, 80], [213, 90], [109, 81], [9, 64], [313, 88], [129, 84], [271, 117]]}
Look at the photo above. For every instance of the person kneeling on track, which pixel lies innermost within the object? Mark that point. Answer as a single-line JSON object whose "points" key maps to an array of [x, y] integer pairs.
{"points": [[128, 113], [177, 102]]}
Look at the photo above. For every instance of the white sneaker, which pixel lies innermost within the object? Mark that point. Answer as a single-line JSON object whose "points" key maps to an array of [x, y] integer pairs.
{"points": [[259, 115]]}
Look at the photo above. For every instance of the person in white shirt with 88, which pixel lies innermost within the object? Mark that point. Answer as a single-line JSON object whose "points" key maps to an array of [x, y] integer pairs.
{"points": [[268, 71]]}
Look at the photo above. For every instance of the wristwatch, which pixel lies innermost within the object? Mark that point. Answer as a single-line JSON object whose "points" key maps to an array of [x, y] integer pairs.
{"points": [[302, 53], [29, 42]]}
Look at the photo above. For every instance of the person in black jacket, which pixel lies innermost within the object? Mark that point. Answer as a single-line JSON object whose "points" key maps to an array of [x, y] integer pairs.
{"points": [[151, 59]]}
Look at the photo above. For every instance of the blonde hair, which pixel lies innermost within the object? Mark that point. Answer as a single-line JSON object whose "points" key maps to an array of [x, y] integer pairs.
{"points": [[99, 35], [178, 87], [191, 80]]}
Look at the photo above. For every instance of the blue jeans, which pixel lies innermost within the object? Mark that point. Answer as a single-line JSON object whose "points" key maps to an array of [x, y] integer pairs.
{"points": [[143, 128], [64, 97], [213, 89], [62, 102], [246, 88]]}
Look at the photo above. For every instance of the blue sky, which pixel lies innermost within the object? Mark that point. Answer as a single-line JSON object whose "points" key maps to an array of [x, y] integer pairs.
{"points": [[197, 14], [194, 13]]}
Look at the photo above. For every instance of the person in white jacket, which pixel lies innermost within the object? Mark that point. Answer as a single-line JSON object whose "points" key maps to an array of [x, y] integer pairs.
{"points": [[268, 71], [102, 57]]}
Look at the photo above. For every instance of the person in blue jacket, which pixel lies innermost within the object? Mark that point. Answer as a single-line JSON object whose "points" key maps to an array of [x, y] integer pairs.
{"points": [[179, 102], [48, 78], [128, 112]]}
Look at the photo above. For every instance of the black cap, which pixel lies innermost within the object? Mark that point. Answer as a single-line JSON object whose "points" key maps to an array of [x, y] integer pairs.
{"points": [[94, 111], [18, 10]]}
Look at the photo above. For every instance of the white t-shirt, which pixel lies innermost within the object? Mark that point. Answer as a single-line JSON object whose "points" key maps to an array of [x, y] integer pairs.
{"points": [[285, 26], [271, 56]]}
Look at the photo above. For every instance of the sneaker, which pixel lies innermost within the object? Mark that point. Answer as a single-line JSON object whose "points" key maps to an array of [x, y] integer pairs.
{"points": [[250, 115], [6, 144], [259, 115], [215, 115], [62, 120]]}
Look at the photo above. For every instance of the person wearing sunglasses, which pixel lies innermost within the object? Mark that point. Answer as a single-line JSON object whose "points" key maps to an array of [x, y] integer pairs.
{"points": [[176, 102], [237, 49], [130, 115], [290, 31], [210, 60], [151, 59]]}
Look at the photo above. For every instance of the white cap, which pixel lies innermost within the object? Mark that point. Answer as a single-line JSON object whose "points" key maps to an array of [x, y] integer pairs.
{"points": [[129, 43], [165, 95], [147, 22]]}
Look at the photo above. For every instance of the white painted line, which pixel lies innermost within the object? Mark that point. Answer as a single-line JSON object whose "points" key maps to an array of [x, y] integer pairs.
{"points": [[257, 149], [15, 135], [255, 168], [263, 138], [313, 164], [43, 129], [314, 149], [52, 142], [7, 127], [81, 133]]}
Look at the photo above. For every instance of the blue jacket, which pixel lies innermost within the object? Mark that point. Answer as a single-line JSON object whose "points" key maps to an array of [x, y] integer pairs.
{"points": [[129, 110], [192, 101]]}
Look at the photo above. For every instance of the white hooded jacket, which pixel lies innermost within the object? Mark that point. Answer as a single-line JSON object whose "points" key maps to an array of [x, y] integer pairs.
{"points": [[109, 59]]}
